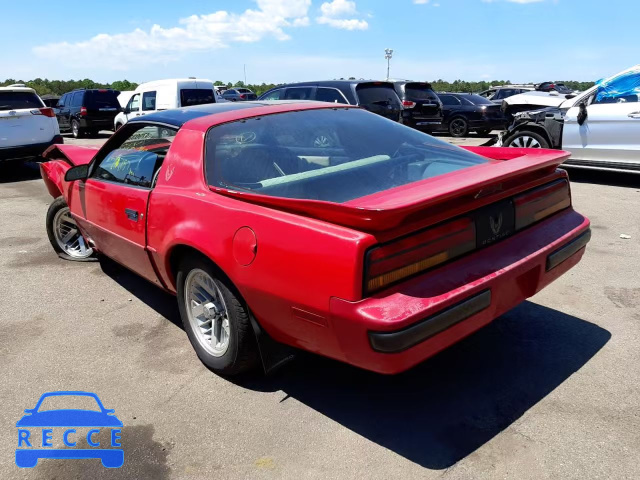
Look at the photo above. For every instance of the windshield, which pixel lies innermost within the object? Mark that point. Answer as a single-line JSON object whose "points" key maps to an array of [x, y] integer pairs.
{"points": [[334, 155], [19, 100], [69, 402]]}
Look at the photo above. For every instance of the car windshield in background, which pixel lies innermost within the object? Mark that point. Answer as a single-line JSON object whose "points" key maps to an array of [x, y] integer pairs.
{"points": [[372, 94], [102, 99], [19, 100], [419, 91], [195, 96], [331, 155], [476, 100]]}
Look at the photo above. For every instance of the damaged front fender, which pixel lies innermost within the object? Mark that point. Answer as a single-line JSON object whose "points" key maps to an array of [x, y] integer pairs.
{"points": [[546, 121]]}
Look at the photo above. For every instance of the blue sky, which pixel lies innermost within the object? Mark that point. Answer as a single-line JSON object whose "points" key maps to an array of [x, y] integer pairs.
{"points": [[294, 40]]}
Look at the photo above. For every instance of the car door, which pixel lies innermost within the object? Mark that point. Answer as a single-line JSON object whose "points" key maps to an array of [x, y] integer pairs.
{"points": [[62, 112], [611, 131], [450, 105], [133, 107], [113, 200]]}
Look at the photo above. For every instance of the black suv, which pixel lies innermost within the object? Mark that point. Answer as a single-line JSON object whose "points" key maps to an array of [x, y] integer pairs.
{"points": [[87, 111], [422, 107], [377, 97]]}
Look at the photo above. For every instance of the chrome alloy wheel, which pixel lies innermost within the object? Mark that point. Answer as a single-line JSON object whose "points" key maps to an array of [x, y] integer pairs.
{"points": [[67, 235], [525, 141], [458, 126], [207, 312]]}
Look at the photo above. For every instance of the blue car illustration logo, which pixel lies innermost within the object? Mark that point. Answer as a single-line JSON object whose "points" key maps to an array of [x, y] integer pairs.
{"points": [[32, 446]]}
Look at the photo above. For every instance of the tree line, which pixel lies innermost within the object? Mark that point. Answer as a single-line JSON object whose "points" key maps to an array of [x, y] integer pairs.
{"points": [[58, 87]]}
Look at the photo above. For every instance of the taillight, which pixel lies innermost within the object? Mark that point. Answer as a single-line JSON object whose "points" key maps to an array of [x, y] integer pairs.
{"points": [[46, 111], [83, 111], [242, 95], [541, 202], [408, 104], [400, 259]]}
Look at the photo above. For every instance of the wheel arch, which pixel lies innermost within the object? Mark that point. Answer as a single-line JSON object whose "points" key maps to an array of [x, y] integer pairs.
{"points": [[178, 252], [532, 127]]}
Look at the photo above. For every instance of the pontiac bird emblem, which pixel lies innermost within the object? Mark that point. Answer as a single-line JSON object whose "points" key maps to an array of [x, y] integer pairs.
{"points": [[495, 224]]}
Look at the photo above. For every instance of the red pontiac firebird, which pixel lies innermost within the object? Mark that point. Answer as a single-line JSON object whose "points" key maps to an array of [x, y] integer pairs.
{"points": [[322, 226]]}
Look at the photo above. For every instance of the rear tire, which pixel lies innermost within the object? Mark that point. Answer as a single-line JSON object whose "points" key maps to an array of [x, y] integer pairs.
{"points": [[76, 131], [215, 319], [526, 139], [458, 127]]}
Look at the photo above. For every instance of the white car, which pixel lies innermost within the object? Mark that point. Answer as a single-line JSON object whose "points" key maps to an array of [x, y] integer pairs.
{"points": [[27, 126], [600, 127], [164, 95]]}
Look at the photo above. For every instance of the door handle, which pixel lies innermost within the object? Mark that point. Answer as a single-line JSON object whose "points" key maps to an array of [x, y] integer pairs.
{"points": [[131, 214], [634, 115]]}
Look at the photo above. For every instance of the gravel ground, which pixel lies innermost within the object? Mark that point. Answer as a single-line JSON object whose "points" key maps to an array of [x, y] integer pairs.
{"points": [[550, 390]]}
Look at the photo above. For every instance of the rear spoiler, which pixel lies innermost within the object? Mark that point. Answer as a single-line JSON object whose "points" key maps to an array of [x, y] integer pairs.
{"points": [[390, 208]]}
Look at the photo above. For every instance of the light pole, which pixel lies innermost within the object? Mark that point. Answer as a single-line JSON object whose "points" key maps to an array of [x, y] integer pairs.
{"points": [[388, 53]]}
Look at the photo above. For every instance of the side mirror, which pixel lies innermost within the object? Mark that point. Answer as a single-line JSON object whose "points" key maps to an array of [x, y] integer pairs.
{"points": [[571, 95], [126, 110], [80, 172], [582, 114]]}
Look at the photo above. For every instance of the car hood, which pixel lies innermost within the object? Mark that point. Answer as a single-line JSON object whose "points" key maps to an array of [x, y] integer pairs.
{"points": [[69, 418], [539, 114], [536, 98], [73, 154]]}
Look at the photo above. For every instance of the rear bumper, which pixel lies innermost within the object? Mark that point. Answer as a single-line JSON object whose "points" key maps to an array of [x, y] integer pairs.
{"points": [[397, 329], [26, 152], [102, 123]]}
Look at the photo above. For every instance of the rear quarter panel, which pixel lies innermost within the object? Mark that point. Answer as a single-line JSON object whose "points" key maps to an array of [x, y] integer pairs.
{"points": [[300, 262]]}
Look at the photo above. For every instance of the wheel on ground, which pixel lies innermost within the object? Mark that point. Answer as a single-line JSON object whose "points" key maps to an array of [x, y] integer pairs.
{"points": [[526, 139], [458, 127], [76, 131], [215, 319], [484, 131], [63, 233]]}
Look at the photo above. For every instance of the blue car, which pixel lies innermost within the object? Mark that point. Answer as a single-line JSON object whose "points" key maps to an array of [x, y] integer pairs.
{"points": [[68, 418]]}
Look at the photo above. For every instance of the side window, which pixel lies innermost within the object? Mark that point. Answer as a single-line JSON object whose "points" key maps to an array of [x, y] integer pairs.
{"points": [[62, 101], [148, 101], [298, 93], [134, 103], [76, 99], [138, 157], [329, 95], [449, 100], [275, 95]]}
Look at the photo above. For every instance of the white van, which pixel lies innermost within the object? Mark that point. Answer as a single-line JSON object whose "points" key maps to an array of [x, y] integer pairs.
{"points": [[158, 95]]}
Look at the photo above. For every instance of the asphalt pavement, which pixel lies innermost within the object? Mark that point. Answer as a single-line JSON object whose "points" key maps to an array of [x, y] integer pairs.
{"points": [[550, 390]]}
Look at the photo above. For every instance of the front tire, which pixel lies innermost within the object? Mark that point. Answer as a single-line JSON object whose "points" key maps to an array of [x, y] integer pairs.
{"points": [[64, 235], [526, 139], [458, 127], [215, 319]]}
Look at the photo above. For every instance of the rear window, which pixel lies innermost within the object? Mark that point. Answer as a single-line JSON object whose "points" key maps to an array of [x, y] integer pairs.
{"points": [[419, 91], [101, 99], [374, 94], [196, 96], [244, 90], [476, 100], [19, 100], [334, 155]]}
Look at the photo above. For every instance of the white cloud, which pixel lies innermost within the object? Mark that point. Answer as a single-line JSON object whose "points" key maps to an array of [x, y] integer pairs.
{"points": [[334, 13], [194, 33]]}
